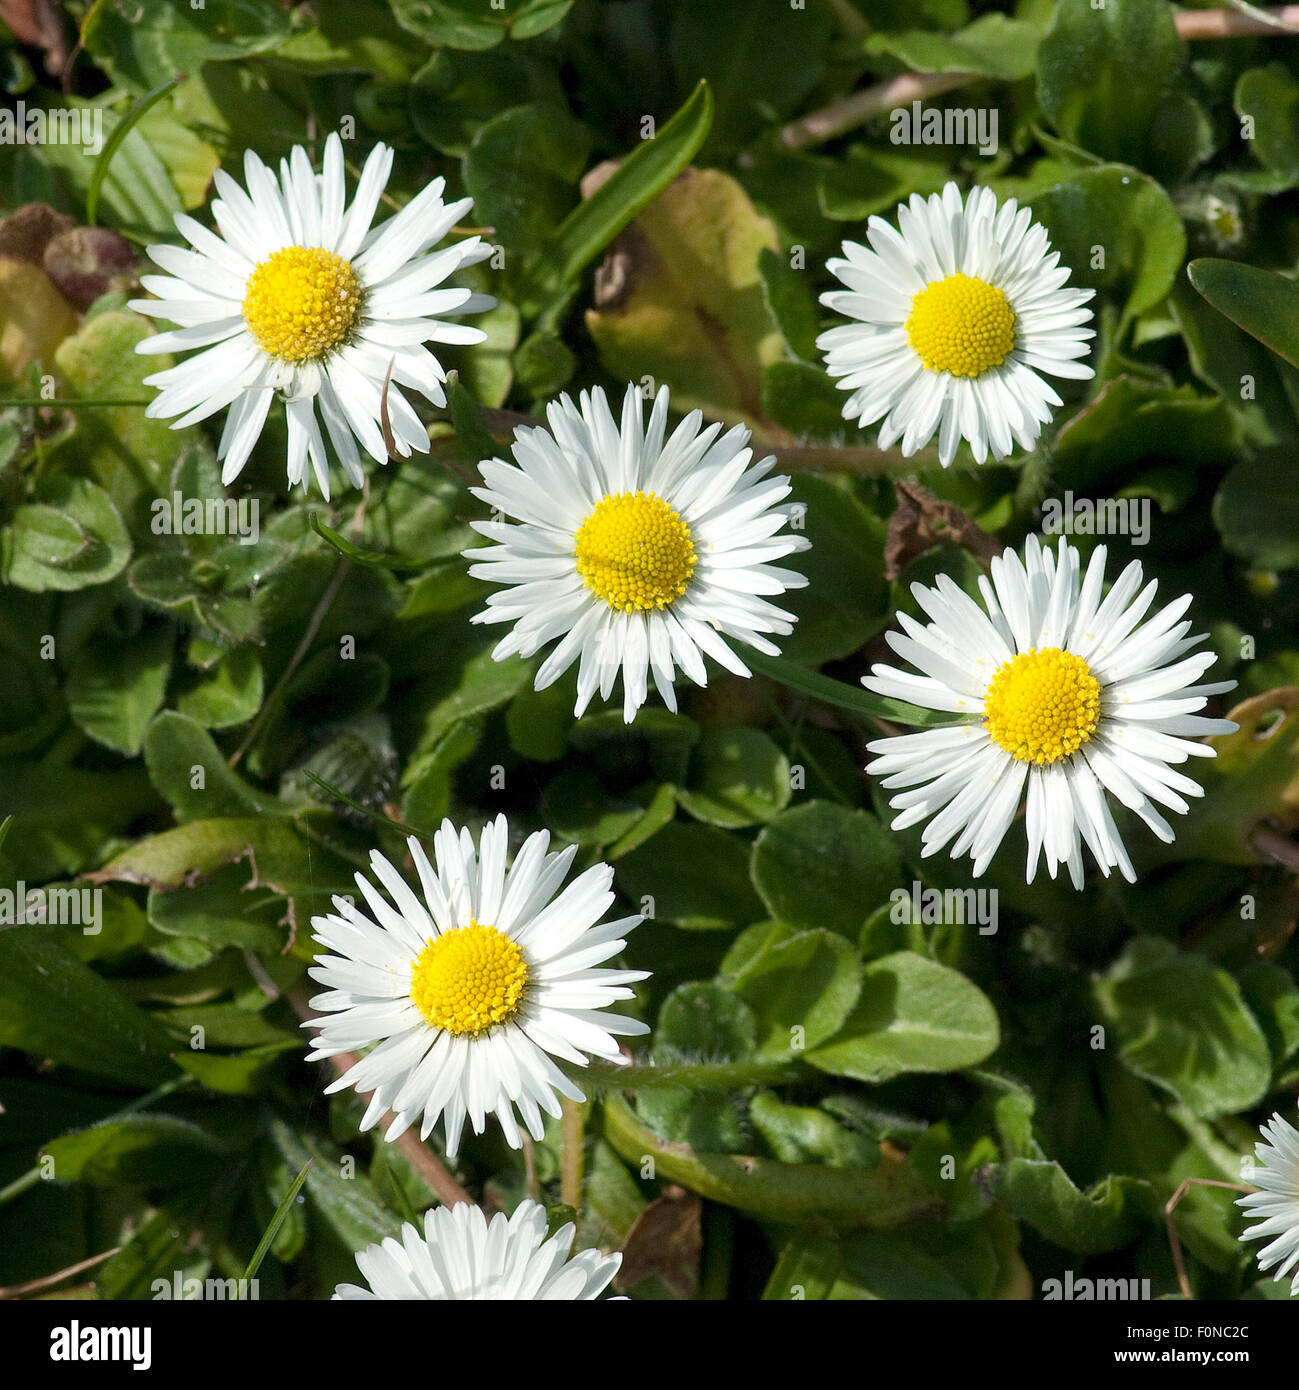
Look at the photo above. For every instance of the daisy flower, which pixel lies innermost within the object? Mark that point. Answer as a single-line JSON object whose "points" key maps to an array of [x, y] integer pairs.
{"points": [[469, 991], [955, 316], [638, 552], [1056, 688], [462, 1256], [300, 298], [1275, 1207]]}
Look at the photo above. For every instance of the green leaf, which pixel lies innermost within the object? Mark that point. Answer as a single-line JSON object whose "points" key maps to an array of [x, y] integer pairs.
{"points": [[762, 59], [993, 46], [1104, 74], [153, 1148], [228, 693], [801, 987], [115, 687], [823, 865], [577, 808], [73, 540], [885, 1196], [738, 777], [190, 771], [1127, 214], [806, 1269], [1108, 1215], [1256, 509], [696, 1020], [521, 169], [469, 24], [914, 1015], [1269, 97], [277, 1220], [1183, 1025], [591, 226], [1264, 304], [51, 1005], [693, 876], [350, 1206]]}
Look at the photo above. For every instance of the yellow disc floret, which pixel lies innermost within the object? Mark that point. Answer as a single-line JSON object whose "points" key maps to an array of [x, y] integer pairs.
{"points": [[635, 552], [961, 325], [469, 979], [1042, 705], [301, 302]]}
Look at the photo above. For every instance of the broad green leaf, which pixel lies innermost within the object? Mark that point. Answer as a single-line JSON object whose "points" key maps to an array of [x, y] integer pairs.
{"points": [[914, 1015], [738, 777], [152, 1148], [51, 1005], [1103, 1218], [1268, 98], [1264, 304], [801, 987], [823, 865], [521, 169], [470, 24], [74, 539], [699, 1020], [993, 46], [692, 876], [191, 772], [1182, 1024], [1104, 74], [1129, 216], [762, 59], [115, 687]]}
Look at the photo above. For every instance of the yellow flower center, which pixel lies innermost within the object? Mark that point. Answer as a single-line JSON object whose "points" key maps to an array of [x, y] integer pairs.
{"points": [[961, 325], [635, 552], [1042, 705], [469, 979], [301, 302]]}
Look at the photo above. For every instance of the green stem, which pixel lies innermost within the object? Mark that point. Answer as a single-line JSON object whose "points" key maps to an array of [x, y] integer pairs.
{"points": [[880, 1198]]}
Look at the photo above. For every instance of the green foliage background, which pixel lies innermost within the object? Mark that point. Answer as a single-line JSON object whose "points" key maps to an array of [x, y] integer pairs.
{"points": [[951, 1123]]}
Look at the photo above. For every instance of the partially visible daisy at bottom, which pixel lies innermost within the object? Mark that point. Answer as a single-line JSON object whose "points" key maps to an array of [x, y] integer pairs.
{"points": [[1059, 692], [461, 1256], [468, 992], [1275, 1207], [957, 317], [635, 552]]}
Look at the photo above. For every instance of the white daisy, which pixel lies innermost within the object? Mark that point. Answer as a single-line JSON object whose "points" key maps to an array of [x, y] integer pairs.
{"points": [[461, 1256], [300, 297], [955, 317], [638, 553], [472, 991], [1276, 1207], [1058, 687]]}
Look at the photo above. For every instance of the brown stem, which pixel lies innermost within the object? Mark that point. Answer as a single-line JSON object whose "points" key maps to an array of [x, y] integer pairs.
{"points": [[48, 1281], [425, 1162], [1174, 1241]]}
